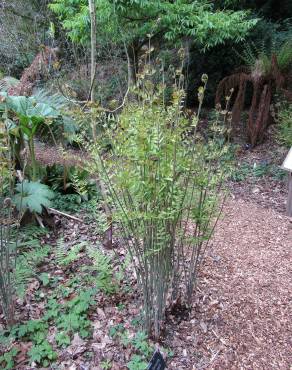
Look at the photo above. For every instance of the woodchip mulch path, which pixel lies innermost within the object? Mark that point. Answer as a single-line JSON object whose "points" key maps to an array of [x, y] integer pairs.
{"points": [[243, 318]]}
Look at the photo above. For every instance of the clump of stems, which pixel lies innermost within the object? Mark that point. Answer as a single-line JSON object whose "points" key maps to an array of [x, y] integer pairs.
{"points": [[164, 181]]}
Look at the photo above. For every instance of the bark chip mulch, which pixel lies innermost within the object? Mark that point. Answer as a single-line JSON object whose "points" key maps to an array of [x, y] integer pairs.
{"points": [[244, 311]]}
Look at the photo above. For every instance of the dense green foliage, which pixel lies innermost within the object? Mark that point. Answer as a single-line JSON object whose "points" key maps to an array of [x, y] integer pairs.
{"points": [[284, 121], [133, 21], [66, 306]]}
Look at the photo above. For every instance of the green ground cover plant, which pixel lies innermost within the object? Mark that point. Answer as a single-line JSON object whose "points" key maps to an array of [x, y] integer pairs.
{"points": [[256, 171], [67, 305]]}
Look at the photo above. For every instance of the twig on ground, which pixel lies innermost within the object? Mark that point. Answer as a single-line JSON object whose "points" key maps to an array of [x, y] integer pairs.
{"points": [[64, 214]]}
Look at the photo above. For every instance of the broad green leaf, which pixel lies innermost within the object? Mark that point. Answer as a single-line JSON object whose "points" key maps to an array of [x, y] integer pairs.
{"points": [[32, 195]]}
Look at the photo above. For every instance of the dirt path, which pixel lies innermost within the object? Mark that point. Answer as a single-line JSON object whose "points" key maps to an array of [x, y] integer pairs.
{"points": [[246, 290]]}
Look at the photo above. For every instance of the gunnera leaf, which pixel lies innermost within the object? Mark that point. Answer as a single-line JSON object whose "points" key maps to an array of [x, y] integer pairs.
{"points": [[32, 195]]}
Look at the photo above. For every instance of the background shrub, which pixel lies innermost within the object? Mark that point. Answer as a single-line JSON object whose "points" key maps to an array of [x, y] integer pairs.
{"points": [[284, 121]]}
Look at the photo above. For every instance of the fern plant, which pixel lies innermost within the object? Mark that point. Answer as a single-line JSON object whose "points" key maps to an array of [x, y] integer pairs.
{"points": [[23, 273], [102, 264], [82, 184], [165, 193], [253, 56], [26, 264], [266, 70], [65, 256]]}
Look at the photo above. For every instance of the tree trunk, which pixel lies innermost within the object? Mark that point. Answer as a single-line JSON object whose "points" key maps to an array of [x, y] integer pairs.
{"points": [[132, 58], [92, 10], [259, 112]]}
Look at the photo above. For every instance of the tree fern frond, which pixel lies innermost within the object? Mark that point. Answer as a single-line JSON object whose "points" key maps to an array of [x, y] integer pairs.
{"points": [[284, 55], [253, 56]]}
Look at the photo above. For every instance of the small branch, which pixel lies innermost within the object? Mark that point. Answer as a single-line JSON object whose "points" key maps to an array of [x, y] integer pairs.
{"points": [[120, 106], [108, 235], [73, 101], [64, 214], [39, 220]]}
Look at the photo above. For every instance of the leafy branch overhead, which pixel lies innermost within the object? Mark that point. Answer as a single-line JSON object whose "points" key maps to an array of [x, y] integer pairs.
{"points": [[133, 21], [130, 23]]}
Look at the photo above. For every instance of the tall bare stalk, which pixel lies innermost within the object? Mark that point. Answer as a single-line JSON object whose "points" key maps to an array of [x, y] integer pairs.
{"points": [[7, 224]]}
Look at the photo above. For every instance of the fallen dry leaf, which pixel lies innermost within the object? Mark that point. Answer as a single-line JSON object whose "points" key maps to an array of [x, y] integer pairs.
{"points": [[78, 346]]}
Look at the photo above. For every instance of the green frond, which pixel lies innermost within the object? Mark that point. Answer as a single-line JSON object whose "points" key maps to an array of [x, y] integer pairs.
{"points": [[65, 256], [60, 251], [254, 56], [26, 264], [284, 56], [23, 272], [103, 265]]}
